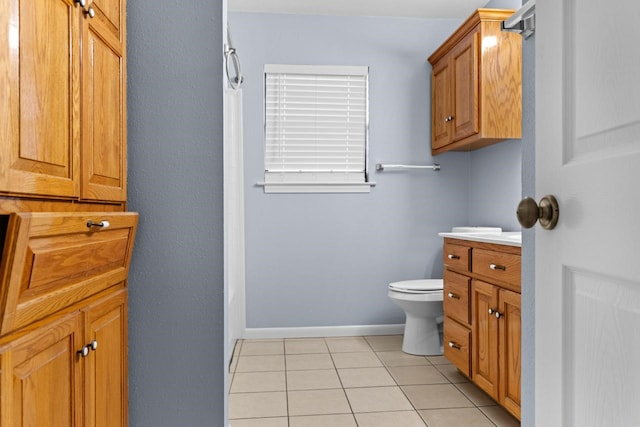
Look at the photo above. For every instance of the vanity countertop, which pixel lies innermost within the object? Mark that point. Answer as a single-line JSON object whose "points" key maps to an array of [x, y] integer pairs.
{"points": [[509, 238]]}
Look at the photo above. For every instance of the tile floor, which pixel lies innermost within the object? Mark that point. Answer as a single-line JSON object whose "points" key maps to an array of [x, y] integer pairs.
{"points": [[350, 382]]}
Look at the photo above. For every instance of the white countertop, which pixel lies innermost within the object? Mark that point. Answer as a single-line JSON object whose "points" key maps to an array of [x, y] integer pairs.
{"points": [[509, 238]]}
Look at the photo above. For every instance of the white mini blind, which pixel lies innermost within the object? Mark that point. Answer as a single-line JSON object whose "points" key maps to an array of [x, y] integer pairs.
{"points": [[315, 124]]}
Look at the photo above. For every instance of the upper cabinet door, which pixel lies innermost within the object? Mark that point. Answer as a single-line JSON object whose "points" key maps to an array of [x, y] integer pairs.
{"points": [[39, 106], [465, 87], [441, 103], [104, 130]]}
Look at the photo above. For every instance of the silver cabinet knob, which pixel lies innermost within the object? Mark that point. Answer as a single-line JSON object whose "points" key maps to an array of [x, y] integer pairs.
{"points": [[497, 267], [454, 345], [84, 351], [491, 311], [93, 345], [91, 13], [453, 296], [452, 256], [498, 315], [82, 3]]}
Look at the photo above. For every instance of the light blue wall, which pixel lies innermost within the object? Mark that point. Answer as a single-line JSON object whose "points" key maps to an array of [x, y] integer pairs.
{"points": [[176, 304], [325, 259]]}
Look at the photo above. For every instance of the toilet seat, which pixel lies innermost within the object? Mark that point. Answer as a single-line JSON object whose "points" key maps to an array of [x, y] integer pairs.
{"points": [[424, 286]]}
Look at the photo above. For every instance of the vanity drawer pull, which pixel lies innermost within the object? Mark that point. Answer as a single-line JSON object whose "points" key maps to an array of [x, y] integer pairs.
{"points": [[102, 224], [452, 256], [497, 267], [452, 295], [454, 345]]}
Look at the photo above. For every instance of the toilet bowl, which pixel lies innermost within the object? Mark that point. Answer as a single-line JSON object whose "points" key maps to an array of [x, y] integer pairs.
{"points": [[421, 301]]}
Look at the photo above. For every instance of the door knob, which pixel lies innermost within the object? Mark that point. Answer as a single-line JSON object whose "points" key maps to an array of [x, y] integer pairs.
{"points": [[529, 212]]}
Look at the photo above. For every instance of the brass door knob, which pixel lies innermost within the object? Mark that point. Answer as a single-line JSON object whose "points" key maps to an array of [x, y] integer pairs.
{"points": [[529, 212]]}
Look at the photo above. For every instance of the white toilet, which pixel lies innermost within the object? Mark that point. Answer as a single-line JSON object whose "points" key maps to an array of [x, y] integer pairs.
{"points": [[421, 301]]}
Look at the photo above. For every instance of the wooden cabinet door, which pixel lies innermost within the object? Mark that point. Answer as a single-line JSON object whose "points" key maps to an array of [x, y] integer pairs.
{"points": [[106, 367], [40, 102], [441, 126], [484, 303], [41, 383], [465, 69], [509, 344], [104, 148]]}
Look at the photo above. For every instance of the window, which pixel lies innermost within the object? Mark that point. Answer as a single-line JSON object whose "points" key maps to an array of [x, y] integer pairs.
{"points": [[316, 121]]}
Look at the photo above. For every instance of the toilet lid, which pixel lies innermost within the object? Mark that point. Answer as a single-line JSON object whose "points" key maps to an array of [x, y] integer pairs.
{"points": [[417, 286]]}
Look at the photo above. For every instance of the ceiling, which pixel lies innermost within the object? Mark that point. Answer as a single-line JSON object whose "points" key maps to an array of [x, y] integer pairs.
{"points": [[459, 9]]}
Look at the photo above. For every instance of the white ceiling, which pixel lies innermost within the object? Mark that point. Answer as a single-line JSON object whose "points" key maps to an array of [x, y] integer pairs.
{"points": [[460, 9]]}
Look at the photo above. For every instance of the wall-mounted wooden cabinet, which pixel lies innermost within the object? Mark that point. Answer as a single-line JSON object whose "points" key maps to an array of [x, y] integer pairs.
{"points": [[476, 85], [482, 324], [63, 69]]}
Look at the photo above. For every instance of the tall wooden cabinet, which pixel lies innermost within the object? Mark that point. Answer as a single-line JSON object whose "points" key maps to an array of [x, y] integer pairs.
{"points": [[482, 326], [476, 85], [65, 233], [64, 109]]}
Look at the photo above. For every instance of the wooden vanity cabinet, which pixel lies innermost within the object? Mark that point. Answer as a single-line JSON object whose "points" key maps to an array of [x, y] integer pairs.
{"points": [[476, 85], [492, 321], [50, 374], [64, 76]]}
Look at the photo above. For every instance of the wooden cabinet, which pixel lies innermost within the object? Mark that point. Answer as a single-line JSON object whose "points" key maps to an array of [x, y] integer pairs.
{"points": [[104, 142], [63, 322], [482, 326], [476, 85], [65, 237], [63, 79], [50, 374]]}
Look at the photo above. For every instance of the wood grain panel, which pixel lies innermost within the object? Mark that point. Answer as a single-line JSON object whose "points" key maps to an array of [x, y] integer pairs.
{"points": [[57, 261], [457, 346], [484, 296], [456, 297], [509, 349], [506, 267]]}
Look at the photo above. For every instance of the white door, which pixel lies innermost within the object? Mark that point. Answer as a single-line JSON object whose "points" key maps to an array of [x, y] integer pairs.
{"points": [[587, 327]]}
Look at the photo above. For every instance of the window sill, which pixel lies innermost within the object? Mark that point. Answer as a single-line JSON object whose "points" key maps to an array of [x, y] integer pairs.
{"points": [[316, 187]]}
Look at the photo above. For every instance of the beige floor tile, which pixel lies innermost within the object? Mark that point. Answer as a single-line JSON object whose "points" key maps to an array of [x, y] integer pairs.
{"points": [[458, 417], [313, 380], [365, 377], [385, 342], [262, 348], [452, 373], [378, 399], [398, 358], [250, 382], [475, 394], [257, 405], [436, 396], [318, 402], [261, 422], [347, 344], [233, 365], [342, 420], [438, 360], [362, 359], [301, 346], [387, 419], [304, 362], [260, 363], [500, 417], [414, 375]]}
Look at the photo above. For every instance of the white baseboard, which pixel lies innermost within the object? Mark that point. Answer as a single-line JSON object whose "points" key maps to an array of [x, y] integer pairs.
{"points": [[323, 331]]}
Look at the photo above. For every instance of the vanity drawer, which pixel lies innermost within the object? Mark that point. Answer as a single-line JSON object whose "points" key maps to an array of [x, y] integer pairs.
{"points": [[456, 296], [456, 256], [53, 260], [500, 266], [457, 340]]}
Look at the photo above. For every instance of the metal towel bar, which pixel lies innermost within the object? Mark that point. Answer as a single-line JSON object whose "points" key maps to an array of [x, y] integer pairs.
{"points": [[381, 167]]}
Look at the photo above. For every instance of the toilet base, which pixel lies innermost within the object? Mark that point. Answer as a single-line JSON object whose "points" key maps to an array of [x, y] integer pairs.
{"points": [[421, 337]]}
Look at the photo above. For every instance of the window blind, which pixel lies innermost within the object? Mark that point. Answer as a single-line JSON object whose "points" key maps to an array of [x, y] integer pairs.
{"points": [[315, 123]]}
